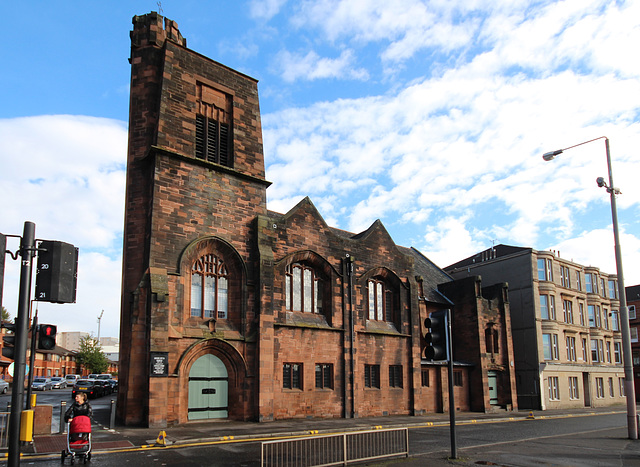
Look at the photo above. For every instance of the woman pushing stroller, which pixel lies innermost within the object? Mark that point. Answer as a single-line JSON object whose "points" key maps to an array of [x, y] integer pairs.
{"points": [[79, 431], [80, 406]]}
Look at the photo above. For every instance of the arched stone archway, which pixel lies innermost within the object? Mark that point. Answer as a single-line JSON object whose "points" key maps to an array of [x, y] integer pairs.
{"points": [[215, 367]]}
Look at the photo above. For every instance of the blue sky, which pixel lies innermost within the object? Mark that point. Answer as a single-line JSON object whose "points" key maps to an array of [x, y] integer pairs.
{"points": [[431, 116]]}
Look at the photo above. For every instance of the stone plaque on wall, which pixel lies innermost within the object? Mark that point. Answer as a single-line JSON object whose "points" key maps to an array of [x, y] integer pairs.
{"points": [[159, 364]]}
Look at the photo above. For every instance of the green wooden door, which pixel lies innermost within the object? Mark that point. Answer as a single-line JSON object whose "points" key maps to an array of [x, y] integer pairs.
{"points": [[208, 389], [493, 387]]}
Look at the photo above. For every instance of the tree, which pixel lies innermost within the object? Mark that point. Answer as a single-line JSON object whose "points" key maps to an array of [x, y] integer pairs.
{"points": [[5, 315], [91, 355]]}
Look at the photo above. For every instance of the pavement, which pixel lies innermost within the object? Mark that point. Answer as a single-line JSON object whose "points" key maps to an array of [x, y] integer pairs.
{"points": [[131, 438]]}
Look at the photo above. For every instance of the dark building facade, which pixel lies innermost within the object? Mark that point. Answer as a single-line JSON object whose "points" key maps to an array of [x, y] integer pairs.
{"points": [[633, 304], [230, 310]]}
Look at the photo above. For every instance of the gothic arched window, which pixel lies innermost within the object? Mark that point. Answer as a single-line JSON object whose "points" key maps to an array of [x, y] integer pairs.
{"points": [[382, 303], [303, 289], [209, 288]]}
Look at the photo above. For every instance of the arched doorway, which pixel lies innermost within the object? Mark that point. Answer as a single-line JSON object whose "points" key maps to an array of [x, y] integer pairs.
{"points": [[208, 389]]}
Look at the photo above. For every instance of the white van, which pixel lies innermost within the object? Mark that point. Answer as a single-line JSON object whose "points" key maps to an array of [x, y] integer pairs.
{"points": [[72, 379]]}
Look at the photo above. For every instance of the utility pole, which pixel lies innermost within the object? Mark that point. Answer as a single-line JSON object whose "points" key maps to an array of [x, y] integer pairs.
{"points": [[99, 319]]}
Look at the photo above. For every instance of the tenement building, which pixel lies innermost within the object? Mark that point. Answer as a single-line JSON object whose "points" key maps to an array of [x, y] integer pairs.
{"points": [[230, 310], [566, 326]]}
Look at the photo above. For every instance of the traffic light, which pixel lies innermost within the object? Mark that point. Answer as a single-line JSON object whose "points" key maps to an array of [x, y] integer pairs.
{"points": [[46, 336], [436, 336], [57, 272], [9, 341]]}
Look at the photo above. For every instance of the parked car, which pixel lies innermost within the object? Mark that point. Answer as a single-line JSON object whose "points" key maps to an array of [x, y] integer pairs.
{"points": [[88, 386], [72, 379], [58, 382], [4, 386], [104, 385], [114, 385], [41, 384]]}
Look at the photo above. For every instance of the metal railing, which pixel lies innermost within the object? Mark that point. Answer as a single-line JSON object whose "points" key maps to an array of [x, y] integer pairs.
{"points": [[336, 449], [4, 429]]}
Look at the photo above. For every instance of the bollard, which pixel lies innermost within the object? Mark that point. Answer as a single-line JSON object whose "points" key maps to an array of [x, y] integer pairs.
{"points": [[112, 417], [63, 425]]}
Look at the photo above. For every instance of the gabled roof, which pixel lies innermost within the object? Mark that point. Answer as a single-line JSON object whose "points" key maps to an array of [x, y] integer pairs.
{"points": [[376, 230], [431, 274]]}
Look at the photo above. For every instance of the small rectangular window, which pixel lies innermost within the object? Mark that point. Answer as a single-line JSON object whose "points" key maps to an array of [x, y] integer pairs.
{"points": [[546, 346], [554, 389], [457, 378], [588, 284], [617, 354], [600, 388], [395, 376], [324, 375], [573, 388], [571, 348], [292, 376], [591, 309], [372, 376], [544, 307], [425, 378], [567, 309]]}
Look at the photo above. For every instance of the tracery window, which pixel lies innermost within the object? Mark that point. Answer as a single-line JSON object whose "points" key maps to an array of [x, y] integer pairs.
{"points": [[209, 288], [303, 289], [381, 301]]}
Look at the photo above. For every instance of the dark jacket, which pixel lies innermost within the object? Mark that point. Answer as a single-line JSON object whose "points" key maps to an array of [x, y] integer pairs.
{"points": [[78, 409]]}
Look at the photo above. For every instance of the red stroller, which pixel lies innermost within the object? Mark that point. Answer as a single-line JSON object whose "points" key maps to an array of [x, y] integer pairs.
{"points": [[78, 439]]}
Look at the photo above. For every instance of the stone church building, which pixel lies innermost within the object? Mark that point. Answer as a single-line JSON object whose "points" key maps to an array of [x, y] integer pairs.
{"points": [[233, 311]]}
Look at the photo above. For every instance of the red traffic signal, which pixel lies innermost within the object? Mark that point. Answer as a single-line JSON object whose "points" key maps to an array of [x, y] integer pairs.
{"points": [[47, 336]]}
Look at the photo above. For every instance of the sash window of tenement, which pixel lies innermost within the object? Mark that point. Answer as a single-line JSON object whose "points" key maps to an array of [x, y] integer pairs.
{"points": [[303, 289], [381, 301], [213, 126], [209, 288]]}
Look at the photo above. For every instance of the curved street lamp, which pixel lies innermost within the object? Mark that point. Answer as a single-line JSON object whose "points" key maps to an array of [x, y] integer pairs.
{"points": [[629, 391]]}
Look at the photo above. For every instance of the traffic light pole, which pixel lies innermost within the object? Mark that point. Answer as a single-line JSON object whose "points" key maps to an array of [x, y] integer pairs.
{"points": [[452, 402], [27, 250]]}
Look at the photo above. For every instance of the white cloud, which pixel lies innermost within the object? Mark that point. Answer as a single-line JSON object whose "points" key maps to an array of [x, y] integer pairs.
{"points": [[596, 248], [265, 9], [466, 143], [66, 174], [312, 67]]}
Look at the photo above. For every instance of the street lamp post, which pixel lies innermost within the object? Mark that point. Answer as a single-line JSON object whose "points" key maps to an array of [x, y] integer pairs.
{"points": [[632, 424]]}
